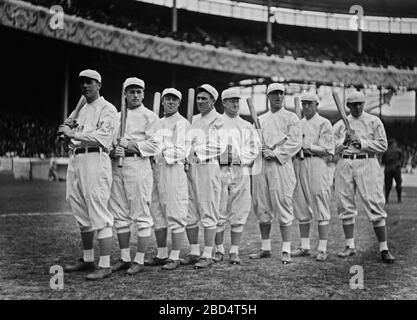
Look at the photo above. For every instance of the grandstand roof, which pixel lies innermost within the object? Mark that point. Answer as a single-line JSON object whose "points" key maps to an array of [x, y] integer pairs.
{"points": [[388, 8]]}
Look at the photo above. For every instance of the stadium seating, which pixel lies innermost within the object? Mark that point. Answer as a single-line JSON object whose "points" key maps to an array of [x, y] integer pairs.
{"points": [[380, 50]]}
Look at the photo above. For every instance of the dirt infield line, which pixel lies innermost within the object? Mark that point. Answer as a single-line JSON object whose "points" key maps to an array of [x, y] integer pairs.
{"points": [[35, 214]]}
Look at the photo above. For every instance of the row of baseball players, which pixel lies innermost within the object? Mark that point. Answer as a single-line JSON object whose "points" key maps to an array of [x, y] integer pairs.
{"points": [[177, 176]]}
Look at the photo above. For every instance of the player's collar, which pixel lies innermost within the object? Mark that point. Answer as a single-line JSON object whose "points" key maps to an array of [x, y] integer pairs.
{"points": [[172, 116], [211, 114]]}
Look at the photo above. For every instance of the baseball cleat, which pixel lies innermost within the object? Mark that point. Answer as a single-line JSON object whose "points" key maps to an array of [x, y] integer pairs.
{"points": [[80, 266], [155, 261], [301, 252], [171, 264], [218, 256], [135, 268], [189, 259], [203, 263], [387, 257], [321, 256], [348, 252], [99, 274], [286, 258], [234, 258], [121, 265], [260, 254]]}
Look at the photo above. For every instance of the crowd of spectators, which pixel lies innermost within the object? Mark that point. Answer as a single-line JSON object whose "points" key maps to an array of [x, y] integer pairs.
{"points": [[26, 135], [155, 20]]}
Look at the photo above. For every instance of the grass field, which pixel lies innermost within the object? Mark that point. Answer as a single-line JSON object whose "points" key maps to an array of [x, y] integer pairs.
{"points": [[31, 244]]}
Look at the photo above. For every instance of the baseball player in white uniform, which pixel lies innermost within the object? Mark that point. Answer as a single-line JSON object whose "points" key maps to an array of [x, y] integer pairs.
{"points": [[358, 173], [89, 174], [204, 183], [313, 188], [170, 192], [132, 183], [243, 146], [273, 187]]}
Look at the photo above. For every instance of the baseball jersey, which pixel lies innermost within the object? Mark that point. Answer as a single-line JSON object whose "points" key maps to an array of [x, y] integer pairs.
{"points": [[370, 131], [281, 131], [172, 134], [207, 142], [140, 129], [96, 124], [318, 135], [241, 135]]}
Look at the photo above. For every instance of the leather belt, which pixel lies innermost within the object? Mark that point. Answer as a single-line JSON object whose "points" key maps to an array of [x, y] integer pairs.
{"points": [[358, 156], [132, 154], [308, 155], [87, 150], [229, 164]]}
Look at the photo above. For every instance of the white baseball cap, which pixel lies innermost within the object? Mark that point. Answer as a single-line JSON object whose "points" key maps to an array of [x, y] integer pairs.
{"points": [[92, 74], [172, 91], [274, 87], [310, 96], [231, 93], [355, 96], [210, 89], [133, 81]]}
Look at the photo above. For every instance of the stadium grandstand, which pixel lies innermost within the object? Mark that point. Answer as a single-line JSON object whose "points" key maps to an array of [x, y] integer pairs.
{"points": [[307, 45]]}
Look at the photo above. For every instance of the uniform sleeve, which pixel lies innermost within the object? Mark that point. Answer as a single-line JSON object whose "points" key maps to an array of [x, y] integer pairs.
{"points": [[116, 133], [325, 144], [150, 146], [379, 142], [251, 145], [292, 144], [104, 132], [180, 146], [216, 142], [339, 136]]}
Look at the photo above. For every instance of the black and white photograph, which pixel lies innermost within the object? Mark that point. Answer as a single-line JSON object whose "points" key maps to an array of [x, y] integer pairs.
{"points": [[208, 155]]}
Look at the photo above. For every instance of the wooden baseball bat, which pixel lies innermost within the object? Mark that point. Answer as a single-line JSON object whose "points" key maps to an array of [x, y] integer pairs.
{"points": [[190, 104], [81, 102], [297, 105], [254, 116], [123, 116], [190, 113], [341, 110], [156, 103]]}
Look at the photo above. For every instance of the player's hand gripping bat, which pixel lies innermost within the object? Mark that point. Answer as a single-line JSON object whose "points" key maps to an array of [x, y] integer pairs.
{"points": [[72, 122]]}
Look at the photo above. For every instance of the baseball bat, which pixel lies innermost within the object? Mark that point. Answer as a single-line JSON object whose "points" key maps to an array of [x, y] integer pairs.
{"points": [[123, 116], [341, 110], [81, 102], [254, 116], [190, 113], [190, 104], [156, 103], [342, 113], [297, 105]]}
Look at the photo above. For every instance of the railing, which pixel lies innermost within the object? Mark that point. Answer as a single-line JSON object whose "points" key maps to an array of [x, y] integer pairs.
{"points": [[313, 19]]}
